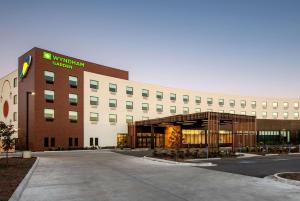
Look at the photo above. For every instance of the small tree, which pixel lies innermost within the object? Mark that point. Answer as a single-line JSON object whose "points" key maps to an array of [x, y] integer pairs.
{"points": [[175, 140], [8, 142]]}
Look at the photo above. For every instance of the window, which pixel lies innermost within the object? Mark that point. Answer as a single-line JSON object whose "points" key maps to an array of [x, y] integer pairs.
{"points": [[231, 111], [73, 81], [129, 119], [264, 114], [112, 118], [49, 95], [94, 84], [91, 141], [209, 110], [129, 91], [231, 103], [285, 115], [49, 114], [243, 112], [145, 118], [172, 109], [76, 142], [185, 98], [145, 106], [46, 142], [197, 100], [197, 110], [296, 105], [209, 101], [112, 88], [129, 105], [253, 113], [94, 116], [73, 116], [73, 99], [15, 99], [112, 103], [145, 93], [264, 105], [96, 141], [243, 103], [185, 110], [285, 105], [275, 105], [159, 108], [172, 97], [15, 116], [296, 115], [15, 82], [94, 100], [159, 95], [253, 104], [221, 111], [52, 141], [70, 142], [221, 102], [274, 115], [49, 77]]}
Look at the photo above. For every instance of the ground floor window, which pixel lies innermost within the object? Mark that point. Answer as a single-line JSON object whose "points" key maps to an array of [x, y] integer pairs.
{"points": [[91, 142], [144, 140], [121, 140], [46, 142], [273, 137], [96, 141], [76, 142], [52, 141], [70, 142]]}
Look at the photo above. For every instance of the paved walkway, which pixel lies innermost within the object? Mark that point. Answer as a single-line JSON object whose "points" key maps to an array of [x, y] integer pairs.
{"points": [[104, 175]]}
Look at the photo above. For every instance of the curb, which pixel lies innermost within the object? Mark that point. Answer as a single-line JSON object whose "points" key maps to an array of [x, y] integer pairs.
{"points": [[287, 181], [271, 154], [209, 164], [293, 153], [21, 187]]}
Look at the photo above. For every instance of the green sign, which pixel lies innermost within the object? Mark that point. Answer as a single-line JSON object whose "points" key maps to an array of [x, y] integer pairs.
{"points": [[62, 61]]}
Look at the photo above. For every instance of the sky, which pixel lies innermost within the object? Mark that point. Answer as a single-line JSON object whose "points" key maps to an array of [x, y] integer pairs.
{"points": [[238, 47]]}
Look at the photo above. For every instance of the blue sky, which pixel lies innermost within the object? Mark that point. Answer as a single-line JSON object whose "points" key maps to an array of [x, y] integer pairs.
{"points": [[233, 47]]}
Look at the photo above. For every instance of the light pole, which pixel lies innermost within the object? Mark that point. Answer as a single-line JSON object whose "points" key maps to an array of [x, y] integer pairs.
{"points": [[28, 93]]}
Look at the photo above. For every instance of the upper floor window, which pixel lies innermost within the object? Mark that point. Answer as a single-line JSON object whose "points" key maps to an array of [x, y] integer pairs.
{"points": [[185, 98], [15, 116], [112, 88], [49, 114], [73, 116], [231, 103], [198, 110], [185, 110], [112, 103], [129, 119], [112, 118], [264, 114], [145, 106], [94, 116], [145, 118], [15, 99], [145, 93], [159, 95], [173, 109], [129, 90], [15, 82], [285, 105], [209, 110], [275, 105], [129, 105], [49, 77], [221, 111], [296, 115], [231, 111], [285, 115], [275, 115], [264, 105], [94, 100], [243, 112], [221, 102], [253, 104], [209, 101], [172, 96], [94, 84], [253, 113], [159, 108], [243, 103], [49, 95], [296, 105], [73, 81], [73, 99], [197, 100]]}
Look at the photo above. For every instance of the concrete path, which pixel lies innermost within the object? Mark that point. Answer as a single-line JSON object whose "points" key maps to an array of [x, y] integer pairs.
{"points": [[104, 175]]}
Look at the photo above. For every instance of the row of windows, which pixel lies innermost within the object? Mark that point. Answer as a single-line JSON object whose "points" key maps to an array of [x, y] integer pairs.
{"points": [[50, 78], [49, 115], [73, 142], [185, 98]]}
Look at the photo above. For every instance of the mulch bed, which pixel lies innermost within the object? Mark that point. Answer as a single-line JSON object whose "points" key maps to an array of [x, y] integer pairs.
{"points": [[293, 176], [11, 176]]}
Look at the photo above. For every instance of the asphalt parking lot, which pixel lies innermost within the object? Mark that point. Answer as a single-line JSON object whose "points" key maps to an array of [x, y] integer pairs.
{"points": [[259, 166]]}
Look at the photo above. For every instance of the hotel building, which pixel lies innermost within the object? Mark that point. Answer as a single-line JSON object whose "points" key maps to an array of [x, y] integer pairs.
{"points": [[60, 102]]}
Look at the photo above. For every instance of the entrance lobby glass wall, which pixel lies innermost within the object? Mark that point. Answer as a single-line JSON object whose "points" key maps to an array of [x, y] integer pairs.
{"points": [[273, 137]]}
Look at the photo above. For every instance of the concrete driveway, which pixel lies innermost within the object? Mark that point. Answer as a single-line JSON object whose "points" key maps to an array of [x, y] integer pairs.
{"points": [[104, 175]]}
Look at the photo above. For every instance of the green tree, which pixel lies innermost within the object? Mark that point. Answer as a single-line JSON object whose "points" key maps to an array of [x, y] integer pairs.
{"points": [[8, 142]]}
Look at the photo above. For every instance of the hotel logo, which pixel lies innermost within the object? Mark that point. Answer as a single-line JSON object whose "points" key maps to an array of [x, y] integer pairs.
{"points": [[25, 66]]}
